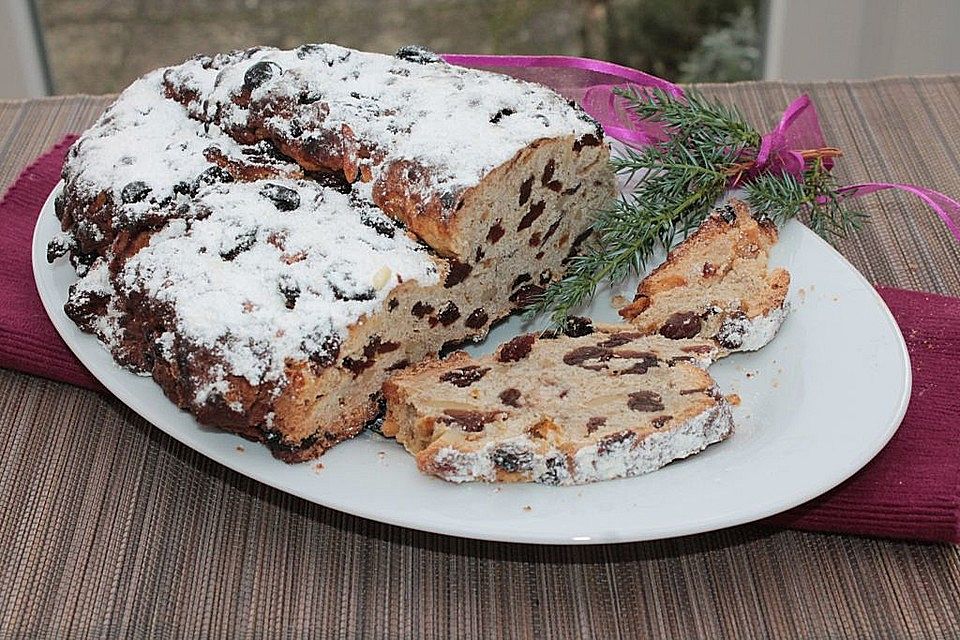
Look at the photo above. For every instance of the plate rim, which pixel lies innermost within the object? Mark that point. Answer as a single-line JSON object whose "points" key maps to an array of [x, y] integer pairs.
{"points": [[39, 263]]}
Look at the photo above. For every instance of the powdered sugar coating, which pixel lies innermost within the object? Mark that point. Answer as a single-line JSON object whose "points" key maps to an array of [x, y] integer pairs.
{"points": [[459, 123], [743, 333], [261, 286], [143, 138]]}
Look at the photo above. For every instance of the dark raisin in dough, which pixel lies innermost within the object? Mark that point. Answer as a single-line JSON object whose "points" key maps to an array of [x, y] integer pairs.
{"points": [[259, 73], [645, 401], [517, 349], [680, 326], [418, 54], [283, 198], [464, 377], [512, 460], [134, 192], [510, 397]]}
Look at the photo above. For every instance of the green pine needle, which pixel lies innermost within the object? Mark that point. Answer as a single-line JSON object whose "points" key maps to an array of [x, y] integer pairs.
{"points": [[675, 183]]}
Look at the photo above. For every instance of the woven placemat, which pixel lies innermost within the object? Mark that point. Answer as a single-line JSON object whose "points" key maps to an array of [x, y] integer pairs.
{"points": [[110, 528]]}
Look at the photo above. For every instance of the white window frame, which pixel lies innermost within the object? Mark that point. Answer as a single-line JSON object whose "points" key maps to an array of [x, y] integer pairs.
{"points": [[849, 39], [23, 69]]}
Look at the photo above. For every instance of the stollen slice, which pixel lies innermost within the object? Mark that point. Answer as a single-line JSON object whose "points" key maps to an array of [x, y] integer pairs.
{"points": [[559, 410]]}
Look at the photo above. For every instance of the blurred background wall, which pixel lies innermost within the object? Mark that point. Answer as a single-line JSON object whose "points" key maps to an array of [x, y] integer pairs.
{"points": [[99, 46]]}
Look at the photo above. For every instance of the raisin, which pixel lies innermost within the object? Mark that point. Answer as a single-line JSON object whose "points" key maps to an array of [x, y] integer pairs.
{"points": [[393, 304], [510, 396], [517, 349], [645, 401], [478, 256], [321, 350], [448, 199], [512, 460], [615, 441], [183, 188], [548, 171], [536, 210], [619, 339], [534, 239], [243, 242], [290, 291], [477, 319], [659, 421], [575, 245], [457, 274], [82, 261], [417, 54], [577, 326], [732, 330], [595, 423], [520, 279], [283, 198], [399, 364], [526, 188], [448, 314], [572, 190], [356, 296], [421, 309], [556, 186], [552, 230], [259, 73], [643, 364], [467, 420], [332, 180], [681, 325], [709, 269], [496, 232], [556, 471], [588, 140], [526, 294], [134, 192], [211, 175], [465, 376], [728, 213], [373, 347], [578, 356], [59, 247], [380, 224], [506, 111]]}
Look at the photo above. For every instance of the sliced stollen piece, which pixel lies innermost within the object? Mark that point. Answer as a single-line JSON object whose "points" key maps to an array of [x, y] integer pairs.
{"points": [[716, 284], [562, 410]]}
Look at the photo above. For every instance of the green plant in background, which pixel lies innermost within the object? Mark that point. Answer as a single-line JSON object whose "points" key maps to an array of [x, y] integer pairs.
{"points": [[676, 38], [727, 54]]}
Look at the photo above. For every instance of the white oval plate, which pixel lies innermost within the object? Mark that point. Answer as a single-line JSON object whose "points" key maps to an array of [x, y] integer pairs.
{"points": [[817, 404]]}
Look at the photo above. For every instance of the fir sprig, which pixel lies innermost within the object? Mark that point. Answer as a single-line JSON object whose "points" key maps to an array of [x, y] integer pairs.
{"points": [[674, 185]]}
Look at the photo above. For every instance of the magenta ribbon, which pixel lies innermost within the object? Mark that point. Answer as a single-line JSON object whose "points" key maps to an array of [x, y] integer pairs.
{"points": [[592, 83]]}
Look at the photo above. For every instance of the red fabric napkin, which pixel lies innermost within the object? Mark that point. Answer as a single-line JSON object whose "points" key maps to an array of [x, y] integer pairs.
{"points": [[911, 490], [28, 341]]}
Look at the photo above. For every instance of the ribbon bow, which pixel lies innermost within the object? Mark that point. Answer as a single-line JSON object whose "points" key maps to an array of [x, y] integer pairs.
{"points": [[797, 138]]}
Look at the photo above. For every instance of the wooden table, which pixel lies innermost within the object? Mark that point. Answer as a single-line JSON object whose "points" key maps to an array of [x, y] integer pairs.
{"points": [[111, 528]]}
